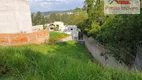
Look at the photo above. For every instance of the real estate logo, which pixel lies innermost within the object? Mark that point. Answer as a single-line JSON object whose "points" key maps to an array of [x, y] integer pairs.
{"points": [[122, 6]]}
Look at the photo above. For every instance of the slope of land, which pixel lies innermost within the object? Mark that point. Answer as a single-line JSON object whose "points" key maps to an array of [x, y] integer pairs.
{"points": [[62, 61]]}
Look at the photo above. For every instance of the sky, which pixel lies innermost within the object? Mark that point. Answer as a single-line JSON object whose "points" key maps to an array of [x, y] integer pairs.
{"points": [[54, 5]]}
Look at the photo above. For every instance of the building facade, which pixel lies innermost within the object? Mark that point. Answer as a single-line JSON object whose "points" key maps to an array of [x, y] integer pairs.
{"points": [[15, 16], [60, 25]]}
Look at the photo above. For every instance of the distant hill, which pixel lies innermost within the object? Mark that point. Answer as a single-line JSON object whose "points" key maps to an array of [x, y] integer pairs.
{"points": [[58, 12]]}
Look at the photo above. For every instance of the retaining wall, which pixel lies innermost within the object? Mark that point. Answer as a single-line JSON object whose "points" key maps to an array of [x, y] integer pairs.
{"points": [[138, 61], [20, 39], [98, 51]]}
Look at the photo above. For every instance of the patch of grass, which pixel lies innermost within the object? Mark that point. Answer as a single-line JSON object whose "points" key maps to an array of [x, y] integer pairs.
{"points": [[54, 36], [61, 61]]}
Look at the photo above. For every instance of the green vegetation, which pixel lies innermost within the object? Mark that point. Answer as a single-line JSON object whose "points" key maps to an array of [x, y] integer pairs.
{"points": [[69, 19], [121, 34], [78, 16], [54, 36], [59, 17], [62, 61], [40, 19]]}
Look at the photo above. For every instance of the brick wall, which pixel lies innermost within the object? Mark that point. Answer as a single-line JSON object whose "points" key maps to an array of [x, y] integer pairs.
{"points": [[20, 39]]}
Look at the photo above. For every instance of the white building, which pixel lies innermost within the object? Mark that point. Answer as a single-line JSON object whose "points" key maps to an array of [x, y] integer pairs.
{"points": [[73, 30], [37, 28], [60, 25], [15, 16]]}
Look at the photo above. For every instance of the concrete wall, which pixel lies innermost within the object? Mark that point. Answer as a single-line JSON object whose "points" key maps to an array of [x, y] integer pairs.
{"points": [[138, 62], [15, 16], [97, 50], [19, 39]]}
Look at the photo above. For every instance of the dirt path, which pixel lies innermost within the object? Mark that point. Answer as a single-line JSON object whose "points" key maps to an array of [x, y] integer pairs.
{"points": [[65, 39]]}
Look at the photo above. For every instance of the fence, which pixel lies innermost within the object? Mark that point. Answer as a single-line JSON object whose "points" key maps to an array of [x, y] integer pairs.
{"points": [[23, 38]]}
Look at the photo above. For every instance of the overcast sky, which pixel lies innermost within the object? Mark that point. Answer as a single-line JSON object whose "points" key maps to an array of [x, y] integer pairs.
{"points": [[54, 5]]}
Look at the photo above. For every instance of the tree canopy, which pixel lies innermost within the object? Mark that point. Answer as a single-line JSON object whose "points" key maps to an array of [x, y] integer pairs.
{"points": [[120, 33]]}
